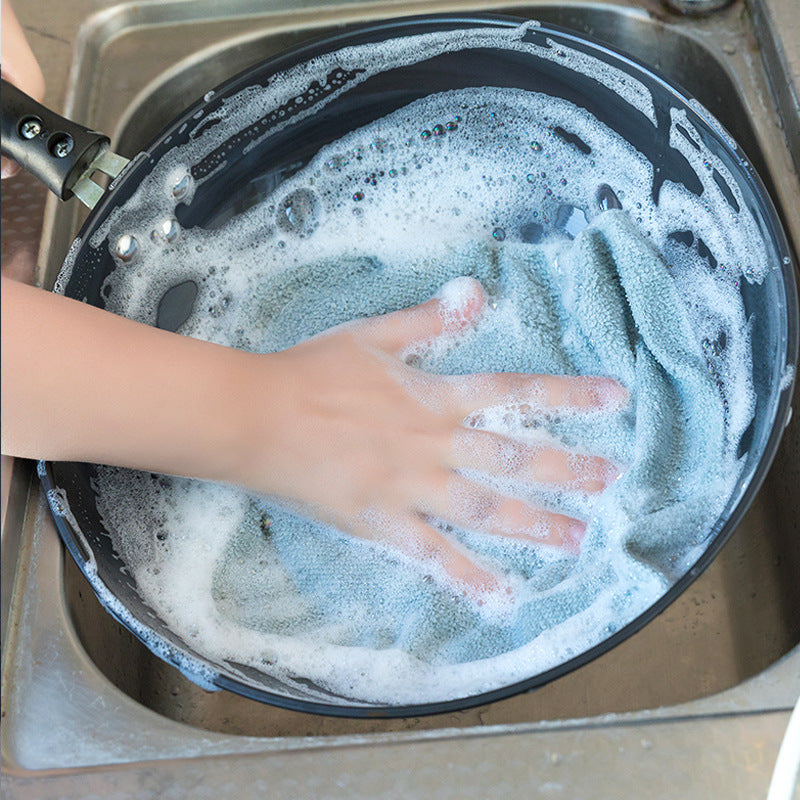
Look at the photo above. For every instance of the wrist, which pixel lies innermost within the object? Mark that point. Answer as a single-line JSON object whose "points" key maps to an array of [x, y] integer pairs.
{"points": [[251, 416]]}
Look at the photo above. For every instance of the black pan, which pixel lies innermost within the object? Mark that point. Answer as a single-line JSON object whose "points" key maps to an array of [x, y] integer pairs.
{"points": [[265, 152]]}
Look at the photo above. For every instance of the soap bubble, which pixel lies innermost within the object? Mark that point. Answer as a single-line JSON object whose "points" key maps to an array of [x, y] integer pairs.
{"points": [[299, 212]]}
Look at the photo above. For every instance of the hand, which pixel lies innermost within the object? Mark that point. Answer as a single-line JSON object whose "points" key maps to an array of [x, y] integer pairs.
{"points": [[19, 67], [339, 423], [376, 447]]}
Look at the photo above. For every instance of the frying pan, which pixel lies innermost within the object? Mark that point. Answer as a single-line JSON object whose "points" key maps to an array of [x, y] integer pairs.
{"points": [[265, 151]]}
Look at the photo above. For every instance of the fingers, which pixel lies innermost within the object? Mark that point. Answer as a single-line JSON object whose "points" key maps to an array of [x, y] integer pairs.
{"points": [[19, 67], [423, 543], [8, 168], [528, 463], [536, 393], [473, 507], [466, 504], [454, 309]]}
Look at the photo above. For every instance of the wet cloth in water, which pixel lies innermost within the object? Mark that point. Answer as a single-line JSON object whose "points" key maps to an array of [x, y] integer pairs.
{"points": [[604, 303]]}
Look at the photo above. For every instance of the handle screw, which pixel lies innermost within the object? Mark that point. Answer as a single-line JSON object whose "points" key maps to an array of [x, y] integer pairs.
{"points": [[30, 128], [63, 147]]}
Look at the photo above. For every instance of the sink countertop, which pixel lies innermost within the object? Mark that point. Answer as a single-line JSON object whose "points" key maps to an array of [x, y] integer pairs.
{"points": [[726, 749]]}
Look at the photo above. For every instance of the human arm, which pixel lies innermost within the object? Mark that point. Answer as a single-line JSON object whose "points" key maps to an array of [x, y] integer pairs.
{"points": [[339, 423]]}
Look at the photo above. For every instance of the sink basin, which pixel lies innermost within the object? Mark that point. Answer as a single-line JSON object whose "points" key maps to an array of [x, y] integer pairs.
{"points": [[737, 620]]}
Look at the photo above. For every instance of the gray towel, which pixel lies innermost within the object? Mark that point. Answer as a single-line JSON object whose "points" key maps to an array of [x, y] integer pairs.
{"points": [[603, 304]]}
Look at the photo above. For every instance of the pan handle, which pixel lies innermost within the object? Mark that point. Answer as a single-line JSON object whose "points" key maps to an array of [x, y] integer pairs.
{"points": [[61, 153]]}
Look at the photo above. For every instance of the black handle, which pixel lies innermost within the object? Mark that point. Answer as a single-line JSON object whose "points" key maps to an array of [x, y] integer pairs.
{"points": [[54, 149]]}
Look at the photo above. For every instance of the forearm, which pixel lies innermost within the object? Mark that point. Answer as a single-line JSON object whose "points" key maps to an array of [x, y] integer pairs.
{"points": [[81, 384], [339, 422]]}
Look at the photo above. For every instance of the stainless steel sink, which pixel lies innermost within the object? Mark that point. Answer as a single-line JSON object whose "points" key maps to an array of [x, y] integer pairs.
{"points": [[79, 691]]}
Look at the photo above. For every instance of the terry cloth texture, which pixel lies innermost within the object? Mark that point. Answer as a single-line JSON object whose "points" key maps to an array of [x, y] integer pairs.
{"points": [[601, 304]]}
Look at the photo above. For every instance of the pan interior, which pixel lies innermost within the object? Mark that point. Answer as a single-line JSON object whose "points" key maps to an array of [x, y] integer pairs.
{"points": [[196, 216]]}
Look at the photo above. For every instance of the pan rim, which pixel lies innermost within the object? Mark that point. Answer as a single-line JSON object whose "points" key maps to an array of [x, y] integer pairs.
{"points": [[719, 534]]}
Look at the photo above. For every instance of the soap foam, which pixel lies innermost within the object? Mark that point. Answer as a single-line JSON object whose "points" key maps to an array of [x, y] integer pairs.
{"points": [[400, 198]]}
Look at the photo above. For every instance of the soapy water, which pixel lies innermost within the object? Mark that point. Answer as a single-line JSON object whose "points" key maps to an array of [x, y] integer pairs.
{"points": [[453, 184]]}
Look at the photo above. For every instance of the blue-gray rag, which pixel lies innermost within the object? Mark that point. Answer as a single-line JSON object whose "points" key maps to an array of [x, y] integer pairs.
{"points": [[601, 304]]}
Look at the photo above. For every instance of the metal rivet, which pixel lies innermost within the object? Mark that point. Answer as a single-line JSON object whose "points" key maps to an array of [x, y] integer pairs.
{"points": [[181, 187], [170, 229], [127, 247]]}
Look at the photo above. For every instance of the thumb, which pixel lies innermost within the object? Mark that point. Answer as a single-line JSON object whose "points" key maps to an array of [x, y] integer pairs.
{"points": [[452, 311], [8, 168]]}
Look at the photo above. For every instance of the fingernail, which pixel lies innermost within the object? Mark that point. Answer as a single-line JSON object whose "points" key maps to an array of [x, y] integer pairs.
{"points": [[598, 476], [461, 302], [8, 168], [495, 603], [613, 395], [458, 291], [611, 474], [575, 535]]}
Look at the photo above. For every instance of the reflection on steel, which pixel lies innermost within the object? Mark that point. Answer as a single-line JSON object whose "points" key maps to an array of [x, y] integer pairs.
{"points": [[696, 7]]}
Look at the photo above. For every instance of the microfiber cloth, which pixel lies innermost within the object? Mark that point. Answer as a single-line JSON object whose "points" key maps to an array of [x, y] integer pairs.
{"points": [[601, 304]]}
